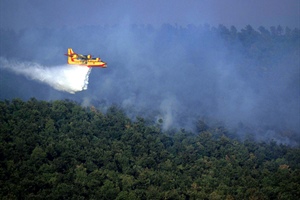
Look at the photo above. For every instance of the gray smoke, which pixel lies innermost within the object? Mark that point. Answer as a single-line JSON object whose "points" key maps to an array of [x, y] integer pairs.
{"points": [[177, 74]]}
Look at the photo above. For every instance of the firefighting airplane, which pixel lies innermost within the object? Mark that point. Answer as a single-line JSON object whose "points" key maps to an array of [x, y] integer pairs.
{"points": [[85, 60]]}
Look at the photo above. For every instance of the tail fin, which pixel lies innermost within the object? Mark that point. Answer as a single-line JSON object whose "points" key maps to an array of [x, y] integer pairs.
{"points": [[70, 54], [70, 51]]}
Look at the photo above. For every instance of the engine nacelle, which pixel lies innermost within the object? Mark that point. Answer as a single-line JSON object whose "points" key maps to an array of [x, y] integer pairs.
{"points": [[89, 56], [74, 56]]}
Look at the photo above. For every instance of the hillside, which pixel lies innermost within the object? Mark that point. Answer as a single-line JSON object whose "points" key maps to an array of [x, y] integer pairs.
{"points": [[60, 150]]}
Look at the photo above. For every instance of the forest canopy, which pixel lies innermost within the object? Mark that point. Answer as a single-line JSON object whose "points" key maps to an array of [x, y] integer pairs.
{"points": [[61, 150]]}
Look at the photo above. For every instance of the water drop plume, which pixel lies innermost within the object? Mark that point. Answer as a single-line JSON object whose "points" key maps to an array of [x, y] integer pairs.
{"points": [[68, 78]]}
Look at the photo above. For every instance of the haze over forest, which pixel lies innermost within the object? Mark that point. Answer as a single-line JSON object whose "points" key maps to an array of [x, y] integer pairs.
{"points": [[247, 79]]}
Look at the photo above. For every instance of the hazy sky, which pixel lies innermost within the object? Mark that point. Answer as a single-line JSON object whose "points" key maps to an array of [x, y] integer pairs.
{"points": [[18, 14]]}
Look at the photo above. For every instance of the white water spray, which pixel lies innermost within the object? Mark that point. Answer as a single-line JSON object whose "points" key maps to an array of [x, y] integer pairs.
{"points": [[68, 78]]}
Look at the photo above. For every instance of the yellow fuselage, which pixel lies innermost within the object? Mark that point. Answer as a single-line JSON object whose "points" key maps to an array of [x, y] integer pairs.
{"points": [[78, 59]]}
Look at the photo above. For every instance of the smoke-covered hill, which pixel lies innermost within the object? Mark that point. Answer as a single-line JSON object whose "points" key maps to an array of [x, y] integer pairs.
{"points": [[248, 79], [60, 150]]}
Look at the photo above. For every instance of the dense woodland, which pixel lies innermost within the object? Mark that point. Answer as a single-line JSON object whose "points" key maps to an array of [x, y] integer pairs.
{"points": [[60, 150]]}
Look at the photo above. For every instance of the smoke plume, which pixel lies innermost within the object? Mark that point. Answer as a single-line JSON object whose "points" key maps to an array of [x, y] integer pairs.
{"points": [[248, 80], [66, 78]]}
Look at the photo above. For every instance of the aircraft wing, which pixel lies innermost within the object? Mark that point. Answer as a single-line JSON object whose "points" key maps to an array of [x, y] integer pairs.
{"points": [[84, 57]]}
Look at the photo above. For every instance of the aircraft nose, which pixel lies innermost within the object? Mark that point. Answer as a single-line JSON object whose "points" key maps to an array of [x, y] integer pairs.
{"points": [[104, 65]]}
